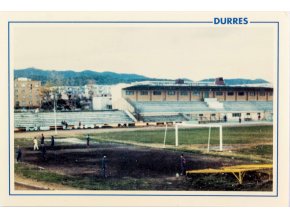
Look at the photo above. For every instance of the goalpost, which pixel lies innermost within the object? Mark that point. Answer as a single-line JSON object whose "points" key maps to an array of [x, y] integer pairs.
{"points": [[177, 125]]}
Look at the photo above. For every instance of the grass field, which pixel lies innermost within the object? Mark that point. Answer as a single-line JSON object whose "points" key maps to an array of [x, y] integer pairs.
{"points": [[254, 143], [231, 135], [139, 161]]}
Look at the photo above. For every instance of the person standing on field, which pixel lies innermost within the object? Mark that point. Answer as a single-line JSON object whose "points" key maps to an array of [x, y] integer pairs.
{"points": [[19, 154], [104, 166], [182, 165], [52, 141], [42, 140], [88, 140], [35, 144]]}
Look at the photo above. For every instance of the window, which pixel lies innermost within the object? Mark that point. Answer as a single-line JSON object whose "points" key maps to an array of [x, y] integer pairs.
{"points": [[129, 92], [201, 115], [236, 114], [213, 115], [156, 92], [219, 93], [248, 114], [144, 93], [262, 93], [241, 93], [171, 93], [252, 93], [195, 93], [230, 93], [270, 93], [183, 93]]}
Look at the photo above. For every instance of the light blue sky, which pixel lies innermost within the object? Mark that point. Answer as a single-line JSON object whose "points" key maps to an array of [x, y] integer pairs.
{"points": [[159, 50]]}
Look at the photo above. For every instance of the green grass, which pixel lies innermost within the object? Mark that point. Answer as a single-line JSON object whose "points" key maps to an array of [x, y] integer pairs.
{"points": [[264, 151], [78, 182], [231, 135]]}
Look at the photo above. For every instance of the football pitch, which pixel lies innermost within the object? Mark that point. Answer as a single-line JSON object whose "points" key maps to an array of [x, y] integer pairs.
{"points": [[139, 160]]}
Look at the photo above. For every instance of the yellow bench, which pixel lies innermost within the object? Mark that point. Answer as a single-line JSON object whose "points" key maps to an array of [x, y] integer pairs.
{"points": [[238, 171]]}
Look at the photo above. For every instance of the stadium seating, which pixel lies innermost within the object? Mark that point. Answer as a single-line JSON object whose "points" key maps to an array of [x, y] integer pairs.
{"points": [[172, 118], [72, 118], [248, 106], [170, 107]]}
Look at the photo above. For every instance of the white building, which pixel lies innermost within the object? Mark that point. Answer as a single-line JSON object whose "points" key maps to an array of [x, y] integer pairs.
{"points": [[102, 103]]}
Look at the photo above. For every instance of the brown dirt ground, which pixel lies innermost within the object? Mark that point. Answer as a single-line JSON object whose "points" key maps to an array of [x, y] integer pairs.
{"points": [[157, 167]]}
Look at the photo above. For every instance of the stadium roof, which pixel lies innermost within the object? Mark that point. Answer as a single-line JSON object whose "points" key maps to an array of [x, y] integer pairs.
{"points": [[197, 86]]}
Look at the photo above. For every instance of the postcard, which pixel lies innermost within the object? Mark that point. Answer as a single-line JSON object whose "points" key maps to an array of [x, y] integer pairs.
{"points": [[144, 108]]}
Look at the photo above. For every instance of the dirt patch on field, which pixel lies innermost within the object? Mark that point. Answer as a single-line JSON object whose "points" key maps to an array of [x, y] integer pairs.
{"points": [[137, 168]]}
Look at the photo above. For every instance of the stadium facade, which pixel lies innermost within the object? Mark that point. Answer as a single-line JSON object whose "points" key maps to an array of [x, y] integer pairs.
{"points": [[202, 102]]}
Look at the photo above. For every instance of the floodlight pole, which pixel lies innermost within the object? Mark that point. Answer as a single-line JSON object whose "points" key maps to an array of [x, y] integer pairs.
{"points": [[208, 139], [221, 138], [176, 135], [55, 129]]}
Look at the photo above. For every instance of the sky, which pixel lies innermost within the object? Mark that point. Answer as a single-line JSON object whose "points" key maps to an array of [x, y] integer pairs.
{"points": [[170, 51]]}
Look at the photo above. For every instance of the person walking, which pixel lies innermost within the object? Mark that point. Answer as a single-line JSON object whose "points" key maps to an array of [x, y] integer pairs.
{"points": [[19, 154], [88, 140], [35, 144], [182, 165], [104, 166], [52, 141]]}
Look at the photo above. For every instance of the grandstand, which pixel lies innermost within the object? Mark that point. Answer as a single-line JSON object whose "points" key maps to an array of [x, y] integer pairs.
{"points": [[73, 119], [251, 106], [207, 102], [165, 118], [165, 102], [170, 107]]}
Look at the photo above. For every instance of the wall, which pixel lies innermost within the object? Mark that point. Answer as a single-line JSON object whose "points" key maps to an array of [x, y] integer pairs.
{"points": [[171, 97], [230, 98], [158, 97], [184, 97], [131, 97], [191, 97], [242, 97], [143, 97], [252, 97], [196, 97], [220, 97]]}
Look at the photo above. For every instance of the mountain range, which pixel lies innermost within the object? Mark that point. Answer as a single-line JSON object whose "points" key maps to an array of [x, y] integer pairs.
{"points": [[73, 78]]}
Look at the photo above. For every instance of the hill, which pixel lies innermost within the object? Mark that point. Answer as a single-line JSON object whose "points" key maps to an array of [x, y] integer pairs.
{"points": [[72, 78]]}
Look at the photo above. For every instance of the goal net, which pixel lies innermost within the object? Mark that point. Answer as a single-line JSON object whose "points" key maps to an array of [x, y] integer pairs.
{"points": [[206, 134]]}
